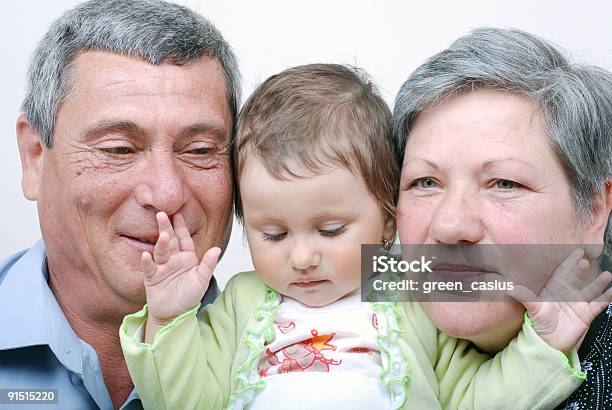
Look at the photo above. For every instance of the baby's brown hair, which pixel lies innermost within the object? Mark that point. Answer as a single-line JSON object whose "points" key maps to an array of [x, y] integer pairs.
{"points": [[318, 116]]}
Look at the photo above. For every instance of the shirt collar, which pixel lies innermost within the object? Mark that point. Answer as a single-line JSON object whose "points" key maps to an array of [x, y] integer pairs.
{"points": [[34, 316]]}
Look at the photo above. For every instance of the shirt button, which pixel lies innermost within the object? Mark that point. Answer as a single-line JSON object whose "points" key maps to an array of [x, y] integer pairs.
{"points": [[75, 379]]}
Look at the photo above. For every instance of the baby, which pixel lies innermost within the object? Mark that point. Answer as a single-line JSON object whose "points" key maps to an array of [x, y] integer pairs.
{"points": [[316, 177]]}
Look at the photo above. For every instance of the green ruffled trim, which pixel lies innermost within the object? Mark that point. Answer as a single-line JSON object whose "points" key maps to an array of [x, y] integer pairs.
{"points": [[373, 295], [528, 319], [395, 375], [247, 378], [566, 357], [579, 374]]}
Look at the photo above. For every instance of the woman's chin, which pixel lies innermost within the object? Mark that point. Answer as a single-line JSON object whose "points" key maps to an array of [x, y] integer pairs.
{"points": [[490, 325]]}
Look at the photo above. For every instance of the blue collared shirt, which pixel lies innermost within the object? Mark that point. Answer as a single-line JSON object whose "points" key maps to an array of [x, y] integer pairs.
{"points": [[39, 349]]}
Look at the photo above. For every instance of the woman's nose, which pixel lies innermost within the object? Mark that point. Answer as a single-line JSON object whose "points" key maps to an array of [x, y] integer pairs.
{"points": [[457, 218]]}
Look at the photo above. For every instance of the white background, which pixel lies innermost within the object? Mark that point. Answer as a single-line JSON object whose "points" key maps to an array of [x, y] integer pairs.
{"points": [[387, 38]]}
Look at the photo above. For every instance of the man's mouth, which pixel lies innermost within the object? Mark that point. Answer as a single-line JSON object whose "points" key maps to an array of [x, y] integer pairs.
{"points": [[143, 242]]}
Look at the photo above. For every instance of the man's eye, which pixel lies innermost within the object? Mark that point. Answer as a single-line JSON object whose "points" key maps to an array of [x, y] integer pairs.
{"points": [[424, 183], [275, 237], [333, 231], [506, 184], [203, 156], [119, 150], [202, 151]]}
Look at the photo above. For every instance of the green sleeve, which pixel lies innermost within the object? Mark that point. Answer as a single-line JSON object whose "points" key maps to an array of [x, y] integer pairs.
{"points": [[188, 365], [527, 374]]}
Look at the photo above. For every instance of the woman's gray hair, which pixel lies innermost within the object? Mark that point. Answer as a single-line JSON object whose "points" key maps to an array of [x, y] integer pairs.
{"points": [[575, 100], [152, 30]]}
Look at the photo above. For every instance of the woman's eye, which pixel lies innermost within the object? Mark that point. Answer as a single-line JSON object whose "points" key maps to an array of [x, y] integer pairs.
{"points": [[424, 183], [275, 237], [119, 150], [335, 231], [505, 184]]}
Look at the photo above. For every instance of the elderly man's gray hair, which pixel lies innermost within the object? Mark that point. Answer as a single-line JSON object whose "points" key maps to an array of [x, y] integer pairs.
{"points": [[576, 100], [152, 30]]}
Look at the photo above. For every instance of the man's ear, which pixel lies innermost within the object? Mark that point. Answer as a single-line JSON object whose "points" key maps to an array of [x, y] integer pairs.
{"points": [[31, 151], [601, 213]]}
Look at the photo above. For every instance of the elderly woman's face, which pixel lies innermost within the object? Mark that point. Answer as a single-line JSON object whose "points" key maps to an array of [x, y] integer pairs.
{"points": [[479, 169]]}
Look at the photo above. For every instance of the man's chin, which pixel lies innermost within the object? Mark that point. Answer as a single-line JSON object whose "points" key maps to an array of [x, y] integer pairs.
{"points": [[124, 277]]}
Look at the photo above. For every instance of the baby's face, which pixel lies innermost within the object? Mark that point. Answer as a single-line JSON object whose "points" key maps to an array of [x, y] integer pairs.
{"points": [[305, 234]]}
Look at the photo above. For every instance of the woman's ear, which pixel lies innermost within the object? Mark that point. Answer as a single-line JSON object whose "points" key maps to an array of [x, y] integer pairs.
{"points": [[598, 224], [31, 151]]}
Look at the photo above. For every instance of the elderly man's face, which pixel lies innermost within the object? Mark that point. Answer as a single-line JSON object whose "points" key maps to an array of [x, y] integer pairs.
{"points": [[479, 169], [131, 139]]}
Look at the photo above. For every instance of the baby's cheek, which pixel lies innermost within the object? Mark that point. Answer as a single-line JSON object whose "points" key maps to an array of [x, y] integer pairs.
{"points": [[267, 264], [347, 258]]}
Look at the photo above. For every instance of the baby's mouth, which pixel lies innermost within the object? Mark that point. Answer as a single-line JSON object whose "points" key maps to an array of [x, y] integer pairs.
{"points": [[309, 283]]}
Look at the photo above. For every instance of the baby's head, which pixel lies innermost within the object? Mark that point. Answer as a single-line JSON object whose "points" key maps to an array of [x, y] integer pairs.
{"points": [[316, 177]]}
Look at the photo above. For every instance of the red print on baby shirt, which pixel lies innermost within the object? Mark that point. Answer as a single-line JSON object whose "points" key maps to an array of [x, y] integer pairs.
{"points": [[304, 356]]}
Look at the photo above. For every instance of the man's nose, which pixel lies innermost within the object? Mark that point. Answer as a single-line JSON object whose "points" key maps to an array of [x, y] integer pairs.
{"points": [[304, 254], [163, 185], [457, 218]]}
